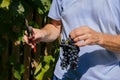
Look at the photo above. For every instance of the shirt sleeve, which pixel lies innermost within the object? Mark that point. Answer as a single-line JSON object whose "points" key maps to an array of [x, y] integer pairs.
{"points": [[55, 10]]}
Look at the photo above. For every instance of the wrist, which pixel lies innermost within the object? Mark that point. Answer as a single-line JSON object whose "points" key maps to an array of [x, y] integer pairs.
{"points": [[100, 39], [43, 34]]}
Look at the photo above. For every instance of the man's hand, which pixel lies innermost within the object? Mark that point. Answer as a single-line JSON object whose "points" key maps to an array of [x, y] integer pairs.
{"points": [[85, 36], [48, 33], [33, 39]]}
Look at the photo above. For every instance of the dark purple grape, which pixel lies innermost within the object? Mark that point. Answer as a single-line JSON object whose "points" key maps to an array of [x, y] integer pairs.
{"points": [[70, 54]]}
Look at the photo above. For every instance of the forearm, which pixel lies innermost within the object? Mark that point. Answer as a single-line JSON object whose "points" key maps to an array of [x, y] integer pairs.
{"points": [[110, 42], [50, 33], [91, 37]]}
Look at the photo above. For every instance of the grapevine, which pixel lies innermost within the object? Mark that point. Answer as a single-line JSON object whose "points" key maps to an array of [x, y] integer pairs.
{"points": [[70, 54]]}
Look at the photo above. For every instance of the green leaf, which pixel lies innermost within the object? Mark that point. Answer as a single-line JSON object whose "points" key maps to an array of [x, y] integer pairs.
{"points": [[38, 69], [44, 7], [41, 74], [22, 69], [47, 59], [17, 75], [43, 67], [5, 4], [20, 9]]}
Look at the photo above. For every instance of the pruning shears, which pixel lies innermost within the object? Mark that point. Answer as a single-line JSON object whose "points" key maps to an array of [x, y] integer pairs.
{"points": [[30, 34]]}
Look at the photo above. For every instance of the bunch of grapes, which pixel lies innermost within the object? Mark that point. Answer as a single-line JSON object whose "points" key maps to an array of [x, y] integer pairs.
{"points": [[70, 54]]}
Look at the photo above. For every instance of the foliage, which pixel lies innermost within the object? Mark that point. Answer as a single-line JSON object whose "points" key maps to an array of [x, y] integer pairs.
{"points": [[12, 15], [13, 12], [44, 67], [19, 72], [44, 70], [18, 69]]}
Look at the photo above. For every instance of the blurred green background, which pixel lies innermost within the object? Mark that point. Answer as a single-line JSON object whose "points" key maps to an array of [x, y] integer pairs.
{"points": [[15, 55]]}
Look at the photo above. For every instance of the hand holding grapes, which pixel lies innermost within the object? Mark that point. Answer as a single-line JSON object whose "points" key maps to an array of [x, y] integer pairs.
{"points": [[85, 36]]}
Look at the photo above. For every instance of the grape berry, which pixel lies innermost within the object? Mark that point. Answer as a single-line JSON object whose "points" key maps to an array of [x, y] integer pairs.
{"points": [[70, 54]]}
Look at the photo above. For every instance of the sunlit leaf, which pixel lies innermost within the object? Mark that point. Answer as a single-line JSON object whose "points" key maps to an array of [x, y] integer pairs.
{"points": [[5, 4], [20, 9], [45, 9], [17, 75], [38, 69], [47, 59], [41, 74], [41, 70]]}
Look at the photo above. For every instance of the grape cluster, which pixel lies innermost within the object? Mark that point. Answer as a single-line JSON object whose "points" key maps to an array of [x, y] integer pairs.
{"points": [[70, 54]]}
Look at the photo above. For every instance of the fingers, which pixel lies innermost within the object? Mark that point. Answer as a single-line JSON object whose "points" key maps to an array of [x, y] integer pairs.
{"points": [[86, 42], [84, 36], [33, 39], [26, 40], [76, 32], [83, 40], [29, 39], [28, 35], [80, 33]]}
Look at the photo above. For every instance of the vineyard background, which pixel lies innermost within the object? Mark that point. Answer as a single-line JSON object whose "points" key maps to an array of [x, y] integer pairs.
{"points": [[15, 55]]}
